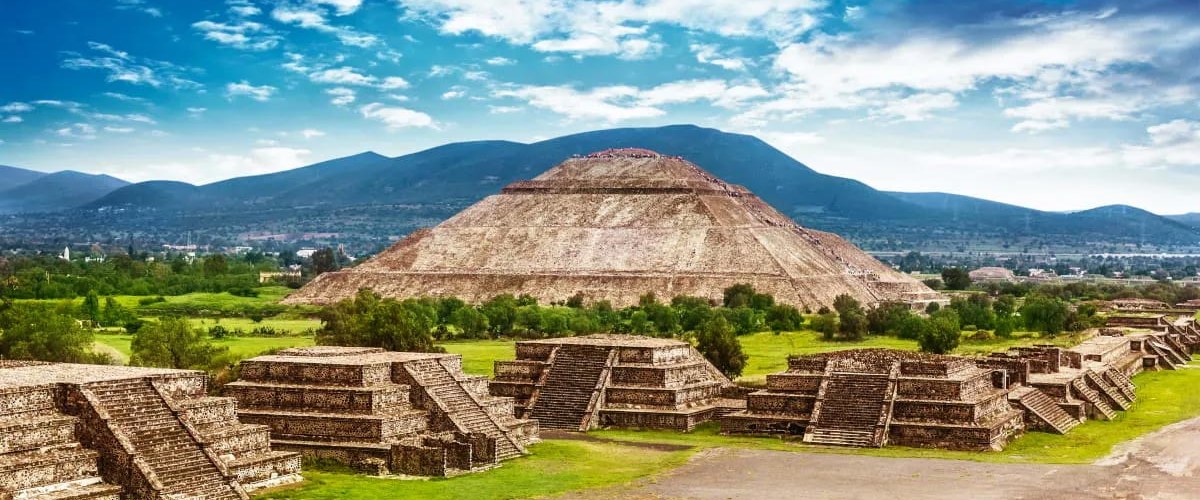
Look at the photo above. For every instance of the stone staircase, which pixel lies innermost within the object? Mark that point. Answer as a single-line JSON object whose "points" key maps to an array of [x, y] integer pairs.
{"points": [[461, 407], [1046, 409], [850, 408], [1166, 353], [1118, 379], [573, 382], [41, 459], [137, 411], [1091, 396], [1115, 396]]}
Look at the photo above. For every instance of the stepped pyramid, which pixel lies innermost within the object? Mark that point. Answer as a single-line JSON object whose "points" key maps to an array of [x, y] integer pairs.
{"points": [[602, 380], [615, 225], [876, 397], [403, 412], [70, 431]]}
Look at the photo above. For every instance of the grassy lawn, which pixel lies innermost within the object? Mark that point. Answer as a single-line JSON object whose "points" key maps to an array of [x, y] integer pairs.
{"points": [[559, 466], [556, 466], [479, 355], [294, 326], [242, 347], [266, 295]]}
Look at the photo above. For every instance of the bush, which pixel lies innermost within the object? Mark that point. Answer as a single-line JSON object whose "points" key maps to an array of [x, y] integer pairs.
{"points": [[942, 334], [218, 332], [826, 324], [145, 301], [720, 346], [256, 317], [243, 291]]}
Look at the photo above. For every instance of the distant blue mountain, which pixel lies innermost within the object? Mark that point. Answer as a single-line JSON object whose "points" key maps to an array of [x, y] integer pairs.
{"points": [[56, 192]]}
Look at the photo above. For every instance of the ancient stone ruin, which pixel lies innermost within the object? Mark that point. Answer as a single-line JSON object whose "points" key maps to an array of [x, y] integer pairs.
{"points": [[615, 225], [580, 383], [106, 432], [875, 397], [385, 412]]}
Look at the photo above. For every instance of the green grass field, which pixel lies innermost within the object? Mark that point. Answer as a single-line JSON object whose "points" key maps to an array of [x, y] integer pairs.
{"points": [[241, 347], [266, 295], [292, 326], [560, 466]]}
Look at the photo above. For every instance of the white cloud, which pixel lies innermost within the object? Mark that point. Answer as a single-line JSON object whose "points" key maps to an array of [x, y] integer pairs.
{"points": [[259, 93], [610, 104], [393, 83], [502, 110], [77, 131], [612, 27], [118, 130], [622, 102], [453, 94], [344, 75], [16, 107], [311, 18], [309, 133], [710, 54], [242, 34], [396, 117], [341, 95], [13, 119], [500, 61], [140, 6], [127, 98], [1058, 112], [196, 111], [341, 7], [123, 67], [917, 107]]}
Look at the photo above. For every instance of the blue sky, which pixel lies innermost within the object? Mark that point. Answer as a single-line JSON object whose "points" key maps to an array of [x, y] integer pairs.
{"points": [[1053, 105]]}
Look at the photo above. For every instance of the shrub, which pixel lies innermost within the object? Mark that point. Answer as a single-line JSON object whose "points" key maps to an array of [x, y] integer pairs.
{"points": [[826, 324], [942, 335], [719, 344]]}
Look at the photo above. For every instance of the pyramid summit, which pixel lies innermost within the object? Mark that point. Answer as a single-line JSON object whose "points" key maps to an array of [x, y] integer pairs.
{"points": [[614, 225]]}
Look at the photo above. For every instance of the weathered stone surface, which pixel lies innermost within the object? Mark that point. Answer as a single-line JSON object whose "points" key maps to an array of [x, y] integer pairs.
{"points": [[381, 412], [578, 383], [98, 431], [614, 226]]}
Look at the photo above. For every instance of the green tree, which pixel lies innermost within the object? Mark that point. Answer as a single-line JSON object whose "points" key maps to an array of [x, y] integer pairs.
{"points": [[826, 324], [173, 343], [1005, 305], [1045, 314], [852, 325], [471, 322], [370, 321], [943, 333], [44, 333], [886, 317], [501, 312], [738, 295], [215, 265], [115, 314], [784, 318], [720, 346], [956, 278], [90, 309], [324, 261]]}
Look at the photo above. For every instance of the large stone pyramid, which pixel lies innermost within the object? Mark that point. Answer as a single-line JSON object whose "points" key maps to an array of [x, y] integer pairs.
{"points": [[615, 225]]}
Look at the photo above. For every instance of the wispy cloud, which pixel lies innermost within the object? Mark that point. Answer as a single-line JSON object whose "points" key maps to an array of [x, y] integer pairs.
{"points": [[396, 117], [121, 66], [312, 17], [239, 34], [259, 93]]}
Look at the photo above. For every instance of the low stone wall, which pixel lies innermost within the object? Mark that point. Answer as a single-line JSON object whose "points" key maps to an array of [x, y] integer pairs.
{"points": [[335, 428], [316, 373], [319, 399], [647, 397], [795, 382], [992, 438], [774, 402]]}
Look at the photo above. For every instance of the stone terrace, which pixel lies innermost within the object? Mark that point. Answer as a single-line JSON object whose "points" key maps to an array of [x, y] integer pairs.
{"points": [[579, 383], [384, 412], [873, 397], [87, 431]]}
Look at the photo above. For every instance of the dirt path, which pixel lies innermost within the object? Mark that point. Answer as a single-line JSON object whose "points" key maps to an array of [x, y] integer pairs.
{"points": [[1164, 465]]}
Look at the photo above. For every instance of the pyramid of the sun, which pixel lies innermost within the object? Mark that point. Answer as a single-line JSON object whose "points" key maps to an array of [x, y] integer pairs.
{"points": [[615, 225]]}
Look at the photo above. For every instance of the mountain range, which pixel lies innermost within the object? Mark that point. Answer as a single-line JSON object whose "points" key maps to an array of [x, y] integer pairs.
{"points": [[23, 191], [468, 171]]}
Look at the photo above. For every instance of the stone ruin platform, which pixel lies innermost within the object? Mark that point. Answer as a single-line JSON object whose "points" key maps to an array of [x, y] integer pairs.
{"points": [[580, 383], [70, 431], [385, 412], [875, 397]]}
